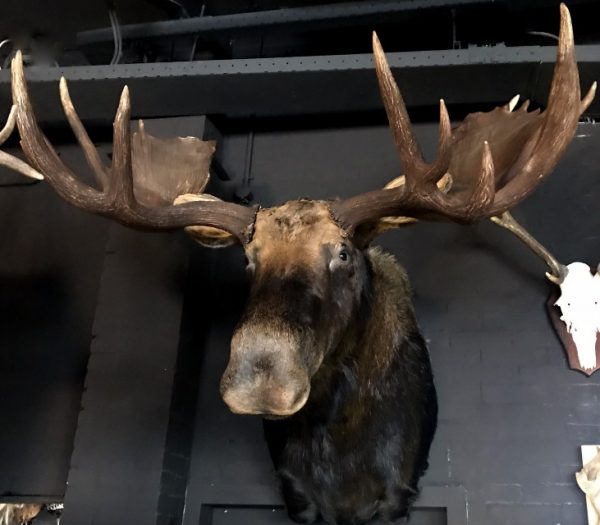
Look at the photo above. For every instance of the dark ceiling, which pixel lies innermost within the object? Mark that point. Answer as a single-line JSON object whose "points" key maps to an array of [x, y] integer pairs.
{"points": [[58, 32], [271, 59]]}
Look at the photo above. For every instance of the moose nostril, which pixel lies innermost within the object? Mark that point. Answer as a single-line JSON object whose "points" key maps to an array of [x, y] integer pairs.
{"points": [[262, 365]]}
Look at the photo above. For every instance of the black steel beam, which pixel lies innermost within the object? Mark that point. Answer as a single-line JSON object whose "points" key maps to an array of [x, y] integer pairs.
{"points": [[335, 15], [304, 85]]}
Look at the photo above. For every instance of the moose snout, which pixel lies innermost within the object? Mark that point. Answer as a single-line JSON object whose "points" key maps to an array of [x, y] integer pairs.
{"points": [[250, 389], [268, 401]]}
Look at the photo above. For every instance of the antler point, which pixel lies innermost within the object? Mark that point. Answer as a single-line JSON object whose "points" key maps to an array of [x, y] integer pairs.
{"points": [[377, 49], [565, 40], [512, 103], [124, 100]]}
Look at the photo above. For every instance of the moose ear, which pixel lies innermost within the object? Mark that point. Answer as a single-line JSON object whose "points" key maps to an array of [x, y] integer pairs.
{"points": [[367, 232], [206, 235]]}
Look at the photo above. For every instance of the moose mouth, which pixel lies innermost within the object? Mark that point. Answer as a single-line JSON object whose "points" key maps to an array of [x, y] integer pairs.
{"points": [[269, 407]]}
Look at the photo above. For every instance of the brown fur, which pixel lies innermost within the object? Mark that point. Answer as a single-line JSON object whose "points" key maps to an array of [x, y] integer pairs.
{"points": [[289, 259], [292, 235]]}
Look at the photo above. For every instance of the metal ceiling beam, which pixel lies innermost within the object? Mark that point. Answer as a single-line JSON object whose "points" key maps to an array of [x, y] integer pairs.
{"points": [[335, 15], [302, 86]]}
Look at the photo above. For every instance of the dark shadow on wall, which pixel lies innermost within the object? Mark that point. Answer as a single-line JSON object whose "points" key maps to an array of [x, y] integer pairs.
{"points": [[43, 363]]}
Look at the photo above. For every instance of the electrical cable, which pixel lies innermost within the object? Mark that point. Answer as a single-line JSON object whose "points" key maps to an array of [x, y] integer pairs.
{"points": [[543, 33], [193, 52], [120, 56], [3, 43], [118, 40], [115, 38], [185, 12]]}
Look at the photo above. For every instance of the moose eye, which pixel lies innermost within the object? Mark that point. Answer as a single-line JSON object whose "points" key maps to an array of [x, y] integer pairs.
{"points": [[343, 255]]}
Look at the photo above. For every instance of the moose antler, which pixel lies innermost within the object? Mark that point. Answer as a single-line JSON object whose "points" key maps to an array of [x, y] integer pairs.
{"points": [[10, 161], [483, 168], [495, 159], [116, 199], [557, 271]]}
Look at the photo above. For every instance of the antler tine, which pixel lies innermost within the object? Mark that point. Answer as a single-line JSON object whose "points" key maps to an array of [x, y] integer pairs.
{"points": [[117, 201], [16, 164], [589, 97], [444, 151], [90, 151], [512, 103], [485, 187], [10, 125], [407, 146], [39, 152], [417, 171], [558, 271], [9, 161], [561, 117], [120, 187], [532, 151]]}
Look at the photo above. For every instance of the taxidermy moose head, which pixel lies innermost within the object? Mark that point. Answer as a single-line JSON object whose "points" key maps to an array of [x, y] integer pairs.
{"points": [[328, 341]]}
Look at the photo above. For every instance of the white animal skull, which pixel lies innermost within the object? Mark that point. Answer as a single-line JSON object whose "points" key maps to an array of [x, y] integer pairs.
{"points": [[579, 301], [580, 306], [588, 479]]}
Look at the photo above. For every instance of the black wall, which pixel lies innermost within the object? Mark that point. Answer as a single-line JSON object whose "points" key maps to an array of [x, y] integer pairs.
{"points": [[50, 266], [512, 415]]}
